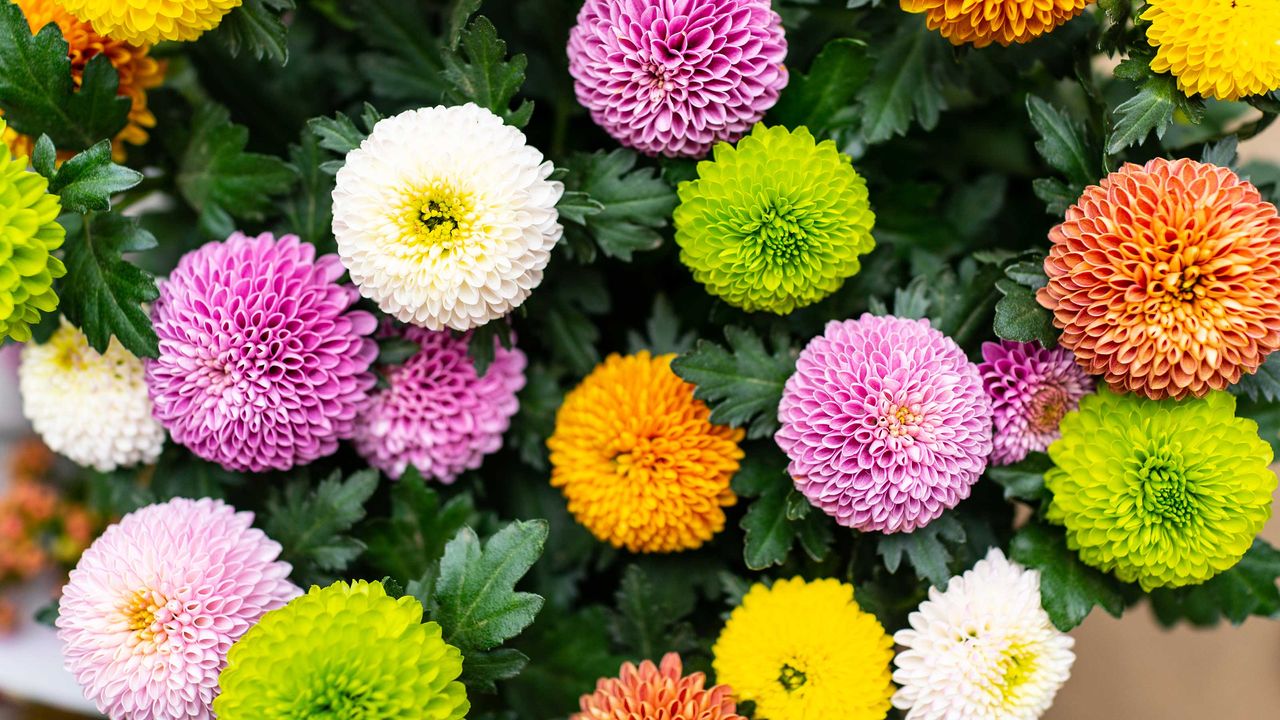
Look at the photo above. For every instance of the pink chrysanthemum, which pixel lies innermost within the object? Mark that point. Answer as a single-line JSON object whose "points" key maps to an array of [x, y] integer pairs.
{"points": [[1030, 388], [154, 605], [262, 365], [436, 413], [674, 77], [885, 423]]}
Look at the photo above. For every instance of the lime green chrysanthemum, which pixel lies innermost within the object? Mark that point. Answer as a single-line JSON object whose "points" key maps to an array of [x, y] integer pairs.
{"points": [[345, 652], [29, 233], [776, 223], [1162, 492]]}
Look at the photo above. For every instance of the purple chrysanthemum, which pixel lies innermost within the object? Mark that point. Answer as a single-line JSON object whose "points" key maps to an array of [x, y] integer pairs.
{"points": [[1030, 388], [436, 413], [674, 77], [262, 364], [885, 423]]}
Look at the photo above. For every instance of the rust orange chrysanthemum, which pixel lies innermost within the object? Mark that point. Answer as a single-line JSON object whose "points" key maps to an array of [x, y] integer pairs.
{"points": [[639, 459], [1165, 278], [983, 22], [649, 692]]}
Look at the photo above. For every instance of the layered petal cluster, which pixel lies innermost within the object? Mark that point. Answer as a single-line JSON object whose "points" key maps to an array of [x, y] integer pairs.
{"points": [[677, 76], [90, 407], [1165, 278], [885, 423], [1030, 388], [436, 413], [637, 456], [263, 364], [1165, 493], [345, 652], [145, 22], [154, 605], [657, 691], [446, 217], [983, 649], [29, 233], [805, 650], [776, 223], [983, 22], [1226, 49]]}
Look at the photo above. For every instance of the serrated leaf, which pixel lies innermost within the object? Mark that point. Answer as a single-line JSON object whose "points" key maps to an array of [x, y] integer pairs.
{"points": [[563, 312], [102, 293], [824, 99], [482, 670], [1028, 273], [635, 203], [480, 72], [902, 89], [312, 524], [1223, 153], [1057, 196], [459, 13], [256, 28], [576, 207], [1062, 143], [741, 383], [1019, 317], [86, 182], [1151, 109], [410, 65], [1069, 589], [338, 133], [408, 545], [309, 211], [769, 535], [924, 548], [483, 346], [1023, 480], [1247, 589], [1264, 384], [650, 623], [662, 331]]}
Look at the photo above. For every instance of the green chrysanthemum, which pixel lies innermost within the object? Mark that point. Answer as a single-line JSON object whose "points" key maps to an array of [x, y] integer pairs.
{"points": [[345, 652], [776, 223], [29, 233], [1162, 492]]}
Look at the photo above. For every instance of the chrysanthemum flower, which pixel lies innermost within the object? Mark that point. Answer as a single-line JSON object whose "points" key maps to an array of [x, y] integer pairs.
{"points": [[145, 22], [29, 233], [983, 649], [91, 407], [983, 22], [651, 691], [885, 422], [262, 363], [804, 651], [776, 223], [674, 78], [1162, 493], [445, 217], [347, 652], [1030, 389], [639, 460], [154, 605], [1226, 49], [1165, 278], [435, 412]]}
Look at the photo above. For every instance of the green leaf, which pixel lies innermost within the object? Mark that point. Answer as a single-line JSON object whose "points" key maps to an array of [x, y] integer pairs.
{"points": [[409, 66], [1057, 196], [256, 27], [1019, 317], [87, 181], [662, 331], [395, 350], [576, 206], [47, 614], [650, 623], [408, 545], [1264, 384], [482, 670], [779, 516], [1063, 144], [461, 11], [1223, 153], [1151, 109], [309, 211], [1023, 480], [102, 293], [340, 133], [44, 158], [313, 524], [563, 315], [1247, 589], [768, 531], [925, 548], [824, 99], [903, 87], [635, 203], [539, 400], [479, 72], [741, 383], [115, 494], [1069, 589]]}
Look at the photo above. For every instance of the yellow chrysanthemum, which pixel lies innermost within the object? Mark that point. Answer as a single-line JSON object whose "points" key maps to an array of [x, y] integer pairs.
{"points": [[150, 21], [1225, 49], [983, 22], [639, 460], [806, 651]]}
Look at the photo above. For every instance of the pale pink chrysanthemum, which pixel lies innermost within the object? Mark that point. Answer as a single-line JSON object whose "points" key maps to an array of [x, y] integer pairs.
{"points": [[1030, 388], [153, 606], [263, 364], [436, 413], [885, 423], [674, 77]]}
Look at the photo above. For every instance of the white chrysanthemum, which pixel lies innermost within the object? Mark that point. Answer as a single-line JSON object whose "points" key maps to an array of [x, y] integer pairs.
{"points": [[92, 408], [446, 217], [984, 649]]}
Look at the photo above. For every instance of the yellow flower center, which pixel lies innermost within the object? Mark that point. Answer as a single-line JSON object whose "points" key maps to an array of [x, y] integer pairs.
{"points": [[1047, 408], [70, 350], [790, 678], [140, 611], [1015, 668], [438, 216]]}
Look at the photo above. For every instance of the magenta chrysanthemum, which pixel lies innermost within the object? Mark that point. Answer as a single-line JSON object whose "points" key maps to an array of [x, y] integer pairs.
{"points": [[885, 423], [436, 413], [262, 364], [674, 77], [1030, 388], [154, 605]]}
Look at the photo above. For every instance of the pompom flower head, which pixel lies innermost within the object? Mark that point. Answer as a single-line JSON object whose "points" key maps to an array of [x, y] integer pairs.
{"points": [[436, 413], [1030, 389], [657, 691], [1226, 49], [776, 223], [91, 407], [982, 649], [1162, 493], [154, 605], [677, 76], [1165, 278], [446, 217], [806, 651], [145, 22], [262, 364], [346, 652], [639, 459], [29, 233], [885, 422], [983, 22]]}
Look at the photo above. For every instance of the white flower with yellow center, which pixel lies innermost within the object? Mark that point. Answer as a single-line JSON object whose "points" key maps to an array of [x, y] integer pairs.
{"points": [[445, 217], [983, 649]]}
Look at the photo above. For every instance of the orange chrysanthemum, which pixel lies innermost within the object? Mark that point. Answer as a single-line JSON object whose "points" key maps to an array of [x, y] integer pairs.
{"points": [[1165, 279], [650, 692], [639, 460], [983, 22]]}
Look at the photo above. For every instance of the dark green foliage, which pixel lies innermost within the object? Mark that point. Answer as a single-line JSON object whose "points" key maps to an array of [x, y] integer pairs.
{"points": [[741, 382], [103, 293], [1070, 589], [314, 524]]}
